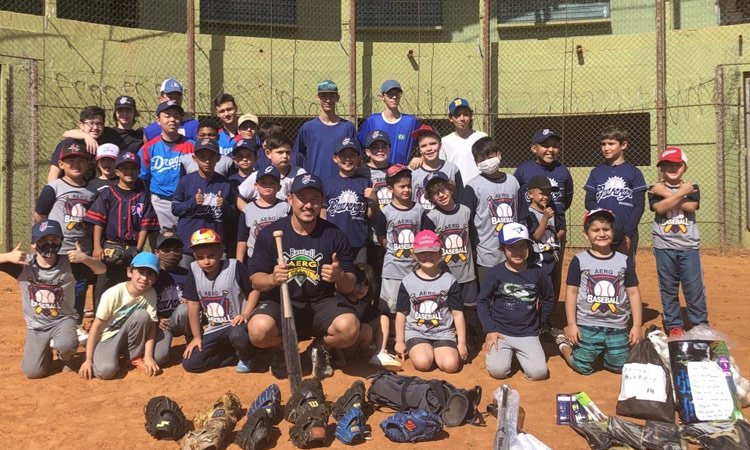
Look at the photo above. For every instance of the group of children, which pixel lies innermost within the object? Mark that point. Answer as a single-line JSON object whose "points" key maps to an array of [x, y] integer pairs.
{"points": [[449, 259]]}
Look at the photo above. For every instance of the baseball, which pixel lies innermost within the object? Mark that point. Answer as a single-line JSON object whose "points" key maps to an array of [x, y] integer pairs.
{"points": [[77, 210], [453, 241], [214, 310], [44, 297], [604, 289], [427, 307], [405, 237], [504, 211]]}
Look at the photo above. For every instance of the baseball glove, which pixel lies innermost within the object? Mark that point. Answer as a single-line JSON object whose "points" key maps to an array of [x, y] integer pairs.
{"points": [[415, 425], [311, 419], [354, 396], [113, 253], [310, 392], [164, 419], [256, 432], [270, 401], [352, 428], [227, 406], [212, 435]]}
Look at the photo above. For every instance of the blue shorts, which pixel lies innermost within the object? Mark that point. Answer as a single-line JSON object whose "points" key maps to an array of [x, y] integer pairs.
{"points": [[613, 342]]}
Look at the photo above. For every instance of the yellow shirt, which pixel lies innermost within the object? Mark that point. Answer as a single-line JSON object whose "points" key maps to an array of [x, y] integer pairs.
{"points": [[116, 305]]}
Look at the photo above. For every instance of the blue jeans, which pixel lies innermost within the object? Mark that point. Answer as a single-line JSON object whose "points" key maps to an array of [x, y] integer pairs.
{"points": [[684, 267]]}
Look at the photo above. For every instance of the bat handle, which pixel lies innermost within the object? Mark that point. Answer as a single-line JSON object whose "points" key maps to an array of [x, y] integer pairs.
{"points": [[286, 302]]}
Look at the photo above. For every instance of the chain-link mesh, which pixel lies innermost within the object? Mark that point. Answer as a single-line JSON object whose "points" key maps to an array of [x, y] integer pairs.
{"points": [[576, 66]]}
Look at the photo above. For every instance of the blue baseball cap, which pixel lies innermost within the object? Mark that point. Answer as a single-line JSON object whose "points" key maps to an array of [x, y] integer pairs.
{"points": [[127, 157], [435, 176], [389, 85], [171, 85], [458, 103], [45, 228], [147, 260], [513, 232], [378, 135], [169, 104], [307, 180], [542, 134], [327, 86], [207, 144], [348, 142], [269, 171], [249, 144]]}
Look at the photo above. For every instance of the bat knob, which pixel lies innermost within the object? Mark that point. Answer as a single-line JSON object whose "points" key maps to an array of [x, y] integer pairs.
{"points": [[278, 233]]}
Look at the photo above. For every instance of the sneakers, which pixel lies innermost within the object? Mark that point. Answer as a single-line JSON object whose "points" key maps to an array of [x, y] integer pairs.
{"points": [[384, 360], [676, 332], [83, 336], [321, 360], [244, 367], [561, 341], [278, 364]]}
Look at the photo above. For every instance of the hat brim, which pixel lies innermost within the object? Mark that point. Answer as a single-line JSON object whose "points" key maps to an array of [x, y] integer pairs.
{"points": [[427, 249], [179, 109], [146, 266], [514, 240], [106, 156], [174, 239], [330, 91], [545, 188], [68, 155], [278, 180], [247, 120], [124, 105], [384, 140], [49, 233]]}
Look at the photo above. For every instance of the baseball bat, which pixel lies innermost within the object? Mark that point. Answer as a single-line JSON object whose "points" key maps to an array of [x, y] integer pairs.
{"points": [[288, 330]]}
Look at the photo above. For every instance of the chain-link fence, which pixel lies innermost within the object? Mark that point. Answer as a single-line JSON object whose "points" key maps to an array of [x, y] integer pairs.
{"points": [[575, 66]]}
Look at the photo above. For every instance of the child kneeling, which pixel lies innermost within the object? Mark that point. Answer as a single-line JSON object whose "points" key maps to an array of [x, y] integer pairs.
{"points": [[513, 302], [429, 318]]}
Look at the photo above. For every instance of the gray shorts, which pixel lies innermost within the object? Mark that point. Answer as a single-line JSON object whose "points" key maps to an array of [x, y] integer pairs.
{"points": [[389, 295]]}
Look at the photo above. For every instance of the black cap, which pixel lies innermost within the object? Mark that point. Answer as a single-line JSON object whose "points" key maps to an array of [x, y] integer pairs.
{"points": [[348, 142], [378, 135], [207, 144], [307, 180], [541, 182], [45, 228], [542, 134], [124, 101], [72, 147], [168, 236], [169, 104], [127, 157], [435, 176], [250, 144]]}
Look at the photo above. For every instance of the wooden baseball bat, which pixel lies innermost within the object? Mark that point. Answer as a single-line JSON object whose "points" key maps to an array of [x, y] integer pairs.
{"points": [[288, 330]]}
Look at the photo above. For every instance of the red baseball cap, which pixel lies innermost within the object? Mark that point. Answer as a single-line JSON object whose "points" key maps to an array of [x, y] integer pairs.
{"points": [[424, 129], [672, 154], [426, 241], [396, 169]]}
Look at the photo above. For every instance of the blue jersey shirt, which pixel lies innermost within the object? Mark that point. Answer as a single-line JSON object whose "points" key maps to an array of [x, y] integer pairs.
{"points": [[558, 175], [399, 132], [160, 164], [317, 141], [123, 213], [226, 143], [620, 189], [346, 206], [188, 128]]}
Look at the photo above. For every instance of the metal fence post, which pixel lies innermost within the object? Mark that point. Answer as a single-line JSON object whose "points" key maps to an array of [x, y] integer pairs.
{"points": [[720, 148], [190, 5], [33, 132], [486, 66], [353, 61], [661, 76]]}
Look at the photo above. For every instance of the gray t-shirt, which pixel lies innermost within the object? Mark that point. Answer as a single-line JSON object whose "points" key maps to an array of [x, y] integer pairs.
{"points": [[67, 204], [602, 299], [427, 305], [223, 297], [47, 294], [547, 247], [675, 230], [453, 229], [247, 188], [223, 166], [494, 202], [419, 191], [399, 226], [254, 218], [378, 179]]}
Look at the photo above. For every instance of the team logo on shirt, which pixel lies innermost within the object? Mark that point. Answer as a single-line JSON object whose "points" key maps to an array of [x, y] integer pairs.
{"points": [[401, 137], [384, 194], [403, 239], [676, 221], [216, 309], [169, 299], [614, 187], [455, 244], [137, 210], [603, 288], [420, 196], [427, 308], [501, 211], [347, 202], [525, 293], [208, 208], [262, 223], [45, 298], [556, 195], [161, 164], [304, 265], [75, 211]]}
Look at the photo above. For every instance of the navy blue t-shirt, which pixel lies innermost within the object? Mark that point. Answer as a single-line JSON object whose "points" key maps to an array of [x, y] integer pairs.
{"points": [[508, 300], [346, 206], [169, 287], [305, 255], [620, 189], [558, 175], [317, 142]]}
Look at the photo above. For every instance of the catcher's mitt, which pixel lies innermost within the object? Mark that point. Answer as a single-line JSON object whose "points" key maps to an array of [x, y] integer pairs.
{"points": [[113, 253], [310, 424], [256, 432], [354, 396], [164, 419], [415, 425], [212, 435], [352, 428], [270, 401], [227, 406], [308, 391]]}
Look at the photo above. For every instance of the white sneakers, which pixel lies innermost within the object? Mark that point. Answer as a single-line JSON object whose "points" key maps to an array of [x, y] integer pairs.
{"points": [[384, 360]]}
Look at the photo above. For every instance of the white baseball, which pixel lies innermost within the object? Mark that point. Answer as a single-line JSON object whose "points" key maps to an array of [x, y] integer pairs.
{"points": [[384, 195], [214, 310], [405, 237], [427, 307], [453, 241], [45, 297], [77, 210], [604, 289], [504, 211]]}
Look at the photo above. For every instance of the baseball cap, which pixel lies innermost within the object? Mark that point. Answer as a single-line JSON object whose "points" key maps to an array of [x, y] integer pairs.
{"points": [[378, 135], [541, 182], [348, 142], [672, 154], [426, 241], [542, 134], [359, 275], [124, 101], [396, 169], [435, 176], [168, 236], [307, 180], [592, 214], [169, 104], [424, 129], [45, 228], [250, 144], [72, 147], [269, 171], [127, 157], [456, 103], [107, 151], [171, 85], [204, 236], [389, 85], [248, 117], [207, 144], [147, 260], [513, 232], [327, 86]]}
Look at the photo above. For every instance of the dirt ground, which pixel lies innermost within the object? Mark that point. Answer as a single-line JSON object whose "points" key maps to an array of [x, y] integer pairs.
{"points": [[63, 411]]}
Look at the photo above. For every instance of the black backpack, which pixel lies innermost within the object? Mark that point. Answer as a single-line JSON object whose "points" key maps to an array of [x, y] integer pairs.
{"points": [[455, 406]]}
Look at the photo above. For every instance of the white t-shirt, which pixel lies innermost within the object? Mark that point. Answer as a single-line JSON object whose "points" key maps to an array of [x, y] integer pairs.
{"points": [[458, 151], [116, 305]]}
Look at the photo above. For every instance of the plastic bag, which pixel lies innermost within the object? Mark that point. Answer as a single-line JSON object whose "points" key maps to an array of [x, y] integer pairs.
{"points": [[646, 388], [664, 436], [720, 436]]}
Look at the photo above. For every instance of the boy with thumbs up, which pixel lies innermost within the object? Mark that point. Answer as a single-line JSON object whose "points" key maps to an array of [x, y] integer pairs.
{"points": [[203, 199]]}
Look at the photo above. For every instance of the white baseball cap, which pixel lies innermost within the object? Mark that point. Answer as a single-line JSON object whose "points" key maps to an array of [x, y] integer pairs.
{"points": [[107, 151], [513, 232]]}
